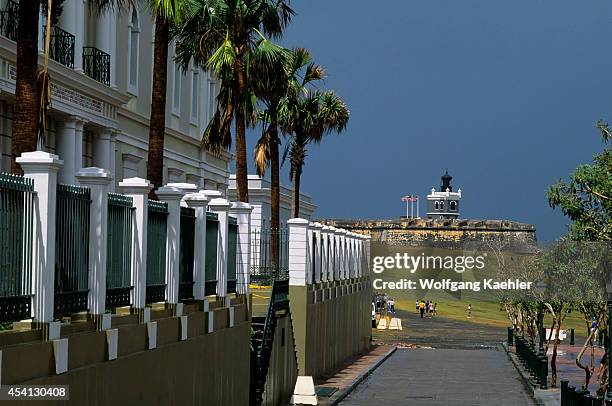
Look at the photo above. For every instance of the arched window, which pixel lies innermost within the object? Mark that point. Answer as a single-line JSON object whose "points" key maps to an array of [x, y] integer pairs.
{"points": [[133, 51], [436, 205], [453, 205], [442, 205]]}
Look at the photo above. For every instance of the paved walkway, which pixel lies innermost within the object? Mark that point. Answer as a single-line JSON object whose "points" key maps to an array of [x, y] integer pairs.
{"points": [[442, 377]]}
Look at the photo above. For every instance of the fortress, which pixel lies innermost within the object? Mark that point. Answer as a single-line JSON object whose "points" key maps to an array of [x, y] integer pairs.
{"points": [[443, 228]]}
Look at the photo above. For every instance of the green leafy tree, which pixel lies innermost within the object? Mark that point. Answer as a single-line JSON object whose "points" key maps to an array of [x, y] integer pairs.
{"points": [[587, 198]]}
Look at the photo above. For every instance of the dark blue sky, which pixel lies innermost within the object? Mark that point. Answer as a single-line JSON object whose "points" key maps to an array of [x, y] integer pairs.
{"points": [[503, 93]]}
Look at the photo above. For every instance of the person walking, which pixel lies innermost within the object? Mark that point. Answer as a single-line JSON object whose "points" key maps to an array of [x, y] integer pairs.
{"points": [[416, 304], [469, 311], [422, 308], [431, 309]]}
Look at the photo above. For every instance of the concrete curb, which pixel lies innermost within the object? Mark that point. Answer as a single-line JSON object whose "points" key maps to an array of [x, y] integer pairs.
{"points": [[342, 393], [542, 397]]}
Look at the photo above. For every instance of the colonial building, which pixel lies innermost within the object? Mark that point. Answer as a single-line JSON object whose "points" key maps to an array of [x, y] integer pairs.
{"points": [[443, 204], [101, 68]]}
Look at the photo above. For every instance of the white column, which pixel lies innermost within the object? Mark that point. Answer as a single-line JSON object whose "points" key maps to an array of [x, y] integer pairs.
{"points": [[102, 149], [106, 40], [113, 164], [242, 212], [325, 246], [221, 207], [43, 167], [138, 189], [72, 20], [341, 233], [310, 254], [353, 246], [318, 257], [298, 263], [172, 197], [198, 202], [332, 260], [66, 140], [97, 180]]}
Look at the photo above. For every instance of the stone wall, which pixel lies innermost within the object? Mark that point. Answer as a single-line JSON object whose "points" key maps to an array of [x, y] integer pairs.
{"points": [[449, 234]]}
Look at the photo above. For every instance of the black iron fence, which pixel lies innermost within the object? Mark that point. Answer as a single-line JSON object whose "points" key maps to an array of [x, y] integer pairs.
{"points": [[72, 249], [8, 20], [232, 254], [16, 228], [263, 271], [212, 242], [156, 251], [533, 360], [119, 250], [572, 396], [96, 64], [187, 245], [61, 47]]}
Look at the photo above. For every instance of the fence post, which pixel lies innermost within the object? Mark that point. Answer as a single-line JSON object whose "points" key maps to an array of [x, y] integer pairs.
{"points": [[242, 212], [318, 254], [198, 202], [172, 197], [325, 253], [310, 259], [42, 168], [298, 235], [138, 189], [221, 207], [97, 180], [342, 255]]}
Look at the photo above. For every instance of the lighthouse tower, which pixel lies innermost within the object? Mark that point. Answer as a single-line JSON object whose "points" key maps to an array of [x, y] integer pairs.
{"points": [[443, 204]]}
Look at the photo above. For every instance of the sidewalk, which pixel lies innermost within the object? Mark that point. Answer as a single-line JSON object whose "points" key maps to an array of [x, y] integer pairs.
{"points": [[333, 389]]}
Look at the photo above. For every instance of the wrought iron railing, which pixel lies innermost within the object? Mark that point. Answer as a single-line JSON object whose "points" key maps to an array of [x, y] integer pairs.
{"points": [[119, 250], [187, 245], [61, 47], [232, 254], [16, 228], [8, 20], [71, 249], [156, 251], [212, 241], [262, 267], [96, 64]]}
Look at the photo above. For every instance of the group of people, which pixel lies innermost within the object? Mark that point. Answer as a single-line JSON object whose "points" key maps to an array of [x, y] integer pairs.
{"points": [[384, 303], [426, 308]]}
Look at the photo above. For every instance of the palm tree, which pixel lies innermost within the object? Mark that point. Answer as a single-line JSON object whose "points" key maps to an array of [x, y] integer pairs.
{"points": [[227, 36], [274, 87], [308, 121], [25, 118], [167, 13]]}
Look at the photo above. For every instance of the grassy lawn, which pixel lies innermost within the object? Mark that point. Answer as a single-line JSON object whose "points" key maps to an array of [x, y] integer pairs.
{"points": [[486, 312]]}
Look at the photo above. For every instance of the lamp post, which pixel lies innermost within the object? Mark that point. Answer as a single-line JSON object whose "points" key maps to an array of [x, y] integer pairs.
{"points": [[542, 286]]}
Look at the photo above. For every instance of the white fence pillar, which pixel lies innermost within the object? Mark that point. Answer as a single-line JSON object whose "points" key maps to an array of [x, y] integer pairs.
{"points": [[242, 212], [298, 249], [198, 202], [318, 250], [332, 259], [324, 253], [366, 270], [310, 258], [172, 197], [138, 189], [221, 207], [42, 168], [97, 180], [342, 254]]}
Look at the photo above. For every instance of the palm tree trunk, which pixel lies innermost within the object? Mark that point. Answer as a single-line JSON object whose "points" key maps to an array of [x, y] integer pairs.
{"points": [[275, 192], [157, 123], [295, 196], [242, 183], [25, 115]]}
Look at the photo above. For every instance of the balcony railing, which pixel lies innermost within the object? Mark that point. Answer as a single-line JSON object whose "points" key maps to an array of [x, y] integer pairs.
{"points": [[8, 20], [96, 64], [61, 47]]}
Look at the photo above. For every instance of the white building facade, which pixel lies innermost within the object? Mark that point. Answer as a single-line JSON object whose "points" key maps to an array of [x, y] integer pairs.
{"points": [[101, 69]]}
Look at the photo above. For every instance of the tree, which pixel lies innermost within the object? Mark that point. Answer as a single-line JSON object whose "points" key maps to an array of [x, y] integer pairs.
{"points": [[275, 85], [309, 120], [226, 36], [587, 198], [167, 13]]}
